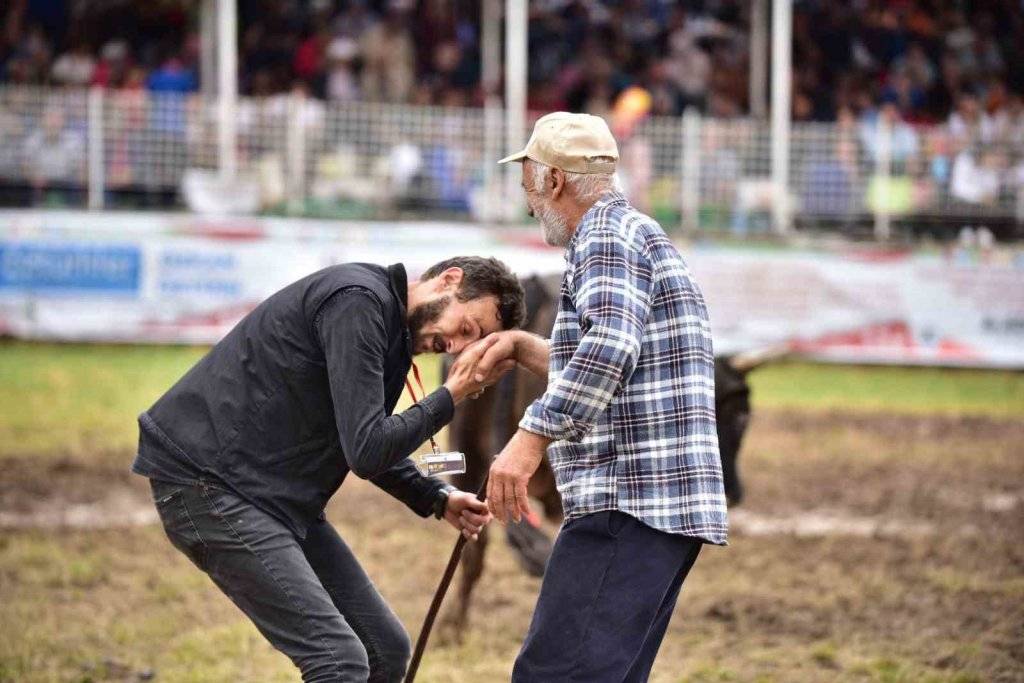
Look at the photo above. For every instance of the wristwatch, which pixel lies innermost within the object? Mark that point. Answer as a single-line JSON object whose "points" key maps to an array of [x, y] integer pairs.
{"points": [[441, 503]]}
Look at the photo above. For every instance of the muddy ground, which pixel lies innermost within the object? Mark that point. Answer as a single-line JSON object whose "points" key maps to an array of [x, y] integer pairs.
{"points": [[869, 547]]}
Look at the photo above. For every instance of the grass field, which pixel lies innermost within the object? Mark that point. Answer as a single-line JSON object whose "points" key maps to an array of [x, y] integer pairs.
{"points": [[914, 478]]}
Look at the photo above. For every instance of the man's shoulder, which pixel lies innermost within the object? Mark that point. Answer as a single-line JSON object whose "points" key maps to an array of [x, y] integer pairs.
{"points": [[356, 287], [621, 223], [356, 273], [367, 276]]}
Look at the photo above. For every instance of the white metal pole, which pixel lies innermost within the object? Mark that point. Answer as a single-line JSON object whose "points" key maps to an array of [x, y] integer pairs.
{"points": [[883, 172], [758, 58], [295, 151], [227, 63], [490, 48], [515, 89], [97, 177], [690, 188], [782, 77], [208, 49]]}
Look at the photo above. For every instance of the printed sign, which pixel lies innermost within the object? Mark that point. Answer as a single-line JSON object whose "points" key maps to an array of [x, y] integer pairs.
{"points": [[178, 278], [45, 266]]}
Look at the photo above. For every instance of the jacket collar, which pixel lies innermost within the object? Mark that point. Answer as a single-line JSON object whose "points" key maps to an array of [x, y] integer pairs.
{"points": [[398, 282]]}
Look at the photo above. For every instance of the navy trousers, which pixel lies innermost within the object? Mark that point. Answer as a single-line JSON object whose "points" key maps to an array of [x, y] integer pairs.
{"points": [[607, 597], [309, 597]]}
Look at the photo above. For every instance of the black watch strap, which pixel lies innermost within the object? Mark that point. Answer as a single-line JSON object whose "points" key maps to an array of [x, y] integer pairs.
{"points": [[441, 503]]}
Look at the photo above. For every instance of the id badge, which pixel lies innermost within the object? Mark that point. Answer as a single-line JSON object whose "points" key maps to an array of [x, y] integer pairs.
{"points": [[434, 464]]}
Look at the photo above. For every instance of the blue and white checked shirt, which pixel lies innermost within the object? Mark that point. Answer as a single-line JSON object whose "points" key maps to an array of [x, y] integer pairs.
{"points": [[630, 400]]}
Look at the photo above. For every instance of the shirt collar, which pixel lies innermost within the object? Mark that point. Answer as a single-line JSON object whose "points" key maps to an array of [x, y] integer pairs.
{"points": [[609, 198]]}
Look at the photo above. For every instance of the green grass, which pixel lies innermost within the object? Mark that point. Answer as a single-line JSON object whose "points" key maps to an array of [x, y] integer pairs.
{"points": [[75, 400], [805, 386], [71, 400]]}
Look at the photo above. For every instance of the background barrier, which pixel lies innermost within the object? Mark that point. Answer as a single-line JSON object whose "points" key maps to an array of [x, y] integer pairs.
{"points": [[164, 277]]}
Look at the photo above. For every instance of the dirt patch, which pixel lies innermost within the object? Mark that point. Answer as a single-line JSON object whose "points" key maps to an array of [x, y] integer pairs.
{"points": [[868, 548], [73, 495]]}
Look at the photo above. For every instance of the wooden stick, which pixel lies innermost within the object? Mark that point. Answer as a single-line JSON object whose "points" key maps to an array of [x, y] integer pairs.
{"points": [[442, 589]]}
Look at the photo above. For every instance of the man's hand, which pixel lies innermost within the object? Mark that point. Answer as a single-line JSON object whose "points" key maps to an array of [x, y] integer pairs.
{"points": [[511, 472], [500, 346], [529, 350], [463, 378], [467, 514]]}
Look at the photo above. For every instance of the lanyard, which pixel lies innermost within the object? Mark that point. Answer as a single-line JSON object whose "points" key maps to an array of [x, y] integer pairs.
{"points": [[412, 395]]}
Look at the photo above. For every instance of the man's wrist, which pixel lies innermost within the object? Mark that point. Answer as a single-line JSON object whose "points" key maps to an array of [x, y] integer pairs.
{"points": [[533, 439], [522, 342], [441, 502]]}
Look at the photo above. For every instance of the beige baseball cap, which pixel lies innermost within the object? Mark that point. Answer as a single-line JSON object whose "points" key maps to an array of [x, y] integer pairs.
{"points": [[571, 142]]}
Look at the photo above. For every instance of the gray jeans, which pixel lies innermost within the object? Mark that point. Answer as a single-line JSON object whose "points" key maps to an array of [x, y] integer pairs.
{"points": [[309, 597]]}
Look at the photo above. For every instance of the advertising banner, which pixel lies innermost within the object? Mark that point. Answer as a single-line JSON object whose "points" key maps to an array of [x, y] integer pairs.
{"points": [[150, 277]]}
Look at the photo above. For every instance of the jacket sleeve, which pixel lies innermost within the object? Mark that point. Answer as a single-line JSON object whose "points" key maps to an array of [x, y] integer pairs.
{"points": [[404, 482], [350, 328]]}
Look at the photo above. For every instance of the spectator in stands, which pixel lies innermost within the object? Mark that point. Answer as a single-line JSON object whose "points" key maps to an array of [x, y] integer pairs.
{"points": [[168, 123], [172, 76], [389, 57], [308, 63], [74, 67], [1009, 121], [831, 180], [54, 158], [690, 67], [903, 142], [112, 69], [974, 181], [342, 84], [969, 123]]}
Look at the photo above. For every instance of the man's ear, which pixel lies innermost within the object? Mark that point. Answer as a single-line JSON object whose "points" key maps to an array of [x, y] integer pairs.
{"points": [[556, 178], [450, 279]]}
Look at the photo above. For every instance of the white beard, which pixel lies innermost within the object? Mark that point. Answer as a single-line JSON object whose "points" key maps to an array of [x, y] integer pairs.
{"points": [[554, 226]]}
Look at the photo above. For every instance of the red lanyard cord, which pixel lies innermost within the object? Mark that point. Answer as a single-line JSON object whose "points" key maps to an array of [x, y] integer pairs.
{"points": [[412, 394]]}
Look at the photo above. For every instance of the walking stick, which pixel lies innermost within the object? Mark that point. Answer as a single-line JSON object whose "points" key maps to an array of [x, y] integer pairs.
{"points": [[442, 589]]}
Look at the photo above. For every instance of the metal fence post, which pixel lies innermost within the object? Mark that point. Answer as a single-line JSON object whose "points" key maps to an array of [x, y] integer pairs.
{"points": [[689, 199], [491, 57], [96, 176], [516, 64], [782, 86], [883, 179], [295, 153]]}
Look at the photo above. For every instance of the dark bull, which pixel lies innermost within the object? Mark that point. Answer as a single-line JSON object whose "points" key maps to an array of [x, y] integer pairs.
{"points": [[482, 427]]}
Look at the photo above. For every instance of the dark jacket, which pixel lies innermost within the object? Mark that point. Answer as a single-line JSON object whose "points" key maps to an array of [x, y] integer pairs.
{"points": [[299, 393]]}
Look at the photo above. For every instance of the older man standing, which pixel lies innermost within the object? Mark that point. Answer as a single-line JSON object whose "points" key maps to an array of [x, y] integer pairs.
{"points": [[628, 418]]}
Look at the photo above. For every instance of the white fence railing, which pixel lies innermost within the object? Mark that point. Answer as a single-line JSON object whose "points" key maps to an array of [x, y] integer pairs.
{"points": [[307, 157]]}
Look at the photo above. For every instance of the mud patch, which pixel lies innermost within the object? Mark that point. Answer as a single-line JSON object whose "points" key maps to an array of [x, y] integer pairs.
{"points": [[68, 494], [816, 524]]}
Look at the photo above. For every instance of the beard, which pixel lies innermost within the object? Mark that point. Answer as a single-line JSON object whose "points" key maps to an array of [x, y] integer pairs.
{"points": [[553, 224], [427, 314]]}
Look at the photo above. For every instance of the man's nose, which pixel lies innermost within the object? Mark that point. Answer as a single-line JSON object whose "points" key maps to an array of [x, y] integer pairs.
{"points": [[455, 347]]}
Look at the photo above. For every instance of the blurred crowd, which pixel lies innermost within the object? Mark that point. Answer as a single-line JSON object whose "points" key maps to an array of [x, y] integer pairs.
{"points": [[922, 56], [934, 86]]}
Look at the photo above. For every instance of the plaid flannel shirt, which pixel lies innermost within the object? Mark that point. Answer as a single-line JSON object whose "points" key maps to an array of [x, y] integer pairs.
{"points": [[630, 399]]}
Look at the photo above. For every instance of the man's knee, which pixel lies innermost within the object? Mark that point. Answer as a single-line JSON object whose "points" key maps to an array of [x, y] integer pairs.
{"points": [[335, 662], [390, 653]]}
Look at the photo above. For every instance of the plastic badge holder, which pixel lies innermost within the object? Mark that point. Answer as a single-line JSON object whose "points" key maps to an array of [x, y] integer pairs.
{"points": [[435, 464]]}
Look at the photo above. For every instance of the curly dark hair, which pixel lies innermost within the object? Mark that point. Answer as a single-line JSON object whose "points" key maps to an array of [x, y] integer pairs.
{"points": [[487, 277]]}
